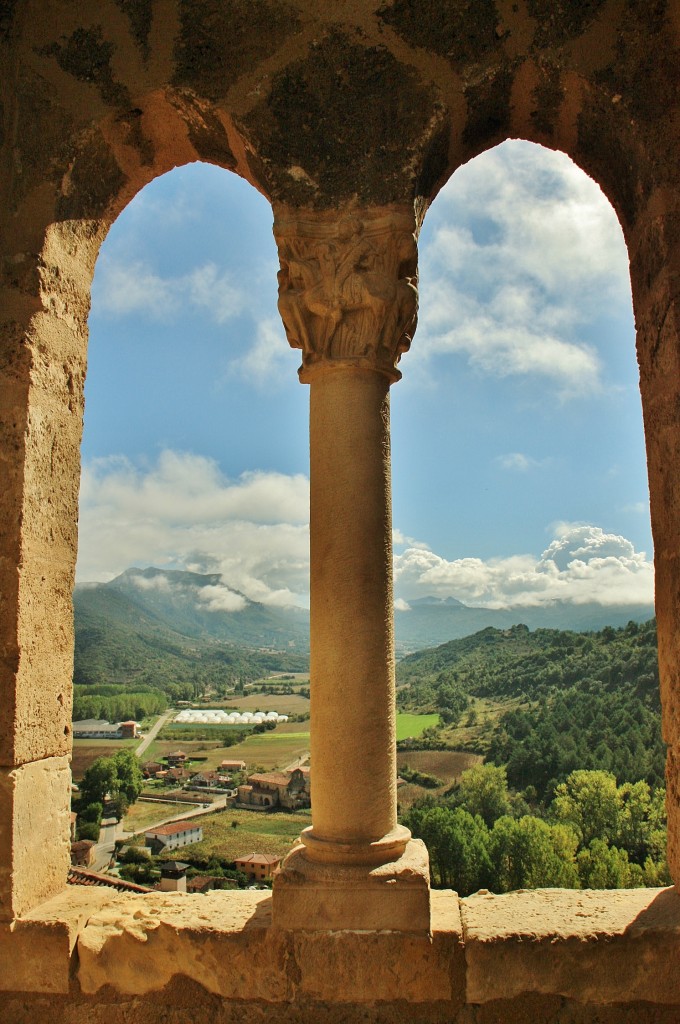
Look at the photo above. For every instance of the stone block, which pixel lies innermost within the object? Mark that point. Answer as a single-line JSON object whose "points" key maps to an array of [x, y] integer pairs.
{"points": [[35, 951], [360, 966], [597, 947], [36, 666], [222, 940], [329, 897], [673, 812], [34, 834]]}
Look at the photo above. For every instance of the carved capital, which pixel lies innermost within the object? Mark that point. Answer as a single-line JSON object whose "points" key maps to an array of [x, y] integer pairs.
{"points": [[348, 286]]}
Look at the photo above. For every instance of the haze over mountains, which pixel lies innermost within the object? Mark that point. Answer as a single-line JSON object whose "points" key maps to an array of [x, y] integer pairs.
{"points": [[175, 604]]}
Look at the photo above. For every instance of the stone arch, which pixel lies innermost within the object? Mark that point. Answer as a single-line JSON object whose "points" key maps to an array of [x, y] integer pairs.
{"points": [[47, 283], [619, 140]]}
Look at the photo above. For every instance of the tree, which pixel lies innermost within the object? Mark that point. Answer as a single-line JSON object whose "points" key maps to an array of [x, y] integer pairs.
{"points": [[120, 806], [88, 830], [602, 866], [527, 853], [457, 844], [588, 802], [483, 790], [111, 776], [100, 779], [129, 774], [92, 812]]}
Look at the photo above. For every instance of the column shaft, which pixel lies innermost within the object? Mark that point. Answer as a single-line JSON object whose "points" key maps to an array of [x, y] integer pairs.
{"points": [[352, 660]]}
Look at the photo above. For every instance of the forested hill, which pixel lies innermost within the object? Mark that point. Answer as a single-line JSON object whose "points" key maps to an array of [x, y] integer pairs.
{"points": [[574, 700], [517, 662]]}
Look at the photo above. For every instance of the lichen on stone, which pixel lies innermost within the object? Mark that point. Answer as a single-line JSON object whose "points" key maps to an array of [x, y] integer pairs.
{"points": [[218, 42], [86, 55], [463, 31], [346, 121]]}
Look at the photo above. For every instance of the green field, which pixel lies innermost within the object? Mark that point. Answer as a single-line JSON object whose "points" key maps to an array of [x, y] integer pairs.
{"points": [[414, 725], [255, 832], [141, 815]]}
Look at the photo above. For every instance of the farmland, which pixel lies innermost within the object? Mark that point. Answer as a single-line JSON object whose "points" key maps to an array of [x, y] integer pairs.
{"points": [[141, 815], [87, 751], [253, 832], [446, 765], [275, 749]]}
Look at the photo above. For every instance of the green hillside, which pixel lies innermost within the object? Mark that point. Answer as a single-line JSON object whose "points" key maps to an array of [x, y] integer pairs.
{"points": [[572, 700], [130, 639]]}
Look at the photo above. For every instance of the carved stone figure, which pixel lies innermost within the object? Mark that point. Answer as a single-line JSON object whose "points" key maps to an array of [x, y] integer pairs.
{"points": [[348, 287]]}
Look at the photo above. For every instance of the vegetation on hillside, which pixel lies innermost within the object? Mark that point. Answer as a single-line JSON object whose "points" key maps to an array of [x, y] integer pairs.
{"points": [[575, 700], [131, 663], [594, 834]]}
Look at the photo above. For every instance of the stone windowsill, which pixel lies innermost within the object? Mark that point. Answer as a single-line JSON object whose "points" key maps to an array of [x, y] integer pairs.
{"points": [[591, 946]]}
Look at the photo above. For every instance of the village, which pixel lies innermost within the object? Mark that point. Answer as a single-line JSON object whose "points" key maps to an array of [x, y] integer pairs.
{"points": [[181, 804]]}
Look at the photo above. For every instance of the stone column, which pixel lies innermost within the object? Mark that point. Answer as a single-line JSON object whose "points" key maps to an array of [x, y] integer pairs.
{"points": [[348, 300]]}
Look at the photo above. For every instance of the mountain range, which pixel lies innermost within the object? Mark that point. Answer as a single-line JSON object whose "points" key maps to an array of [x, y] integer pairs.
{"points": [[160, 606]]}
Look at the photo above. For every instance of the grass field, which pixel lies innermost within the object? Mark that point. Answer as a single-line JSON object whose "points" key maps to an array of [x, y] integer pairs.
{"points": [[272, 749], [141, 814], [414, 725], [254, 833]]}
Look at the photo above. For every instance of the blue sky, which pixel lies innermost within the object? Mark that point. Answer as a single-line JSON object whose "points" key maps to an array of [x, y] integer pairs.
{"points": [[518, 459]]}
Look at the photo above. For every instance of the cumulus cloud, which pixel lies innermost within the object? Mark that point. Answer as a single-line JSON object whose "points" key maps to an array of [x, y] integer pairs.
{"points": [[182, 512], [582, 564], [525, 249], [123, 288]]}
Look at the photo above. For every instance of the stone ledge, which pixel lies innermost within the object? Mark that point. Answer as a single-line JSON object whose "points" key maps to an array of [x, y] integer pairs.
{"points": [[597, 948], [35, 951], [594, 946]]}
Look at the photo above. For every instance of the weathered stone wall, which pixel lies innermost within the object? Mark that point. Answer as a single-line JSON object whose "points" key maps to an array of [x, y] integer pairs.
{"points": [[326, 107], [554, 956]]}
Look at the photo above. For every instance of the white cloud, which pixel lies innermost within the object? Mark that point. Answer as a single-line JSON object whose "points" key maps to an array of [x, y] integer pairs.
{"points": [[400, 605], [122, 288], [534, 251], [582, 564], [160, 583], [183, 512], [520, 462], [220, 599], [269, 355]]}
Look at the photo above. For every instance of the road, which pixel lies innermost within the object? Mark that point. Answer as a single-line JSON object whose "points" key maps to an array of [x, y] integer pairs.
{"points": [[153, 732]]}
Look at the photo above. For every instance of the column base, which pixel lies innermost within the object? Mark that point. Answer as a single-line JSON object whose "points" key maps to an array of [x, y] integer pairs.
{"points": [[314, 896]]}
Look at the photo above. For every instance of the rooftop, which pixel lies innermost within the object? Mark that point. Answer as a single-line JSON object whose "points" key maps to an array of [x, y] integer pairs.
{"points": [[81, 876], [172, 828], [257, 858], [273, 778]]}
